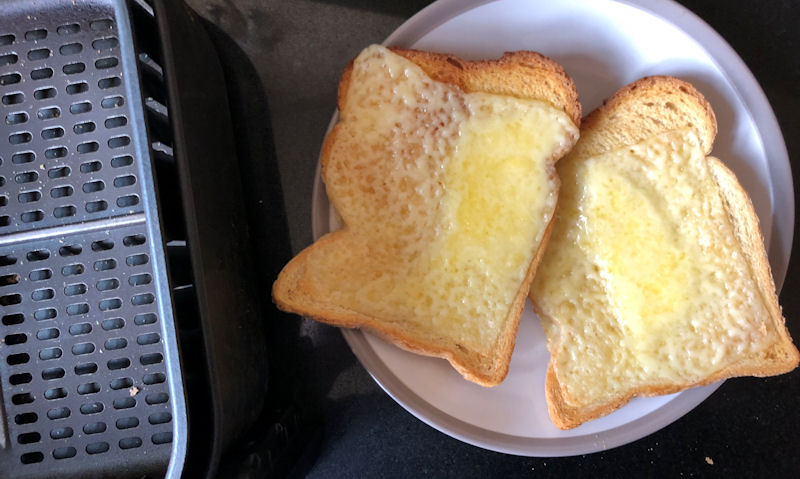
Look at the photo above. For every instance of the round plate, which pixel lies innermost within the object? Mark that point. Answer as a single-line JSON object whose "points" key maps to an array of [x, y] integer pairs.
{"points": [[603, 45]]}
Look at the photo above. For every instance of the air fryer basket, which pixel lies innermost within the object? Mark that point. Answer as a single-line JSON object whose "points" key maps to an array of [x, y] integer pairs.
{"points": [[91, 383]]}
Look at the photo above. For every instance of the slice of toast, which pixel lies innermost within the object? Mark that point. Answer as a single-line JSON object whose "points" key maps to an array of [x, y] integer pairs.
{"points": [[443, 172], [655, 278]]}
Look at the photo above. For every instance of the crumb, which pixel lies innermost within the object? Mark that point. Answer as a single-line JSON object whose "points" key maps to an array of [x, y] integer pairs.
{"points": [[709, 461], [134, 391]]}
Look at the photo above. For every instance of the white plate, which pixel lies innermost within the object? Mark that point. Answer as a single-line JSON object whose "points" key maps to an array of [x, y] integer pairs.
{"points": [[603, 45]]}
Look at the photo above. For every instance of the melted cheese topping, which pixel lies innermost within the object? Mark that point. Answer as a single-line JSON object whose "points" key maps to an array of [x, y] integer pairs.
{"points": [[644, 276], [446, 196]]}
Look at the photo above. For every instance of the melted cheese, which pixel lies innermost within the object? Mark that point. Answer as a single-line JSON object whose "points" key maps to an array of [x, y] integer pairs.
{"points": [[646, 280], [446, 194]]}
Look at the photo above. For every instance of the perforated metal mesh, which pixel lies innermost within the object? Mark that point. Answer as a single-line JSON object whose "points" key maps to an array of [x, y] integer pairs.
{"points": [[85, 382]]}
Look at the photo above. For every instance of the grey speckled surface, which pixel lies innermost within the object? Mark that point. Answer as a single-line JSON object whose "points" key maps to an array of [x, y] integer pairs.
{"points": [[749, 427]]}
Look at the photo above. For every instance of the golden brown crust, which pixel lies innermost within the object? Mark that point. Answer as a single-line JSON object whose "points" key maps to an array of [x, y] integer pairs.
{"points": [[614, 125], [522, 74]]}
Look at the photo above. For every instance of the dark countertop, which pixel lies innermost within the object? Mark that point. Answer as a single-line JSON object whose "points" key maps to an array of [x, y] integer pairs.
{"points": [[748, 427]]}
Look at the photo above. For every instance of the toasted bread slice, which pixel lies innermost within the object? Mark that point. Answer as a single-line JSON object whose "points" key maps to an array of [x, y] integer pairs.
{"points": [[655, 278], [443, 172]]}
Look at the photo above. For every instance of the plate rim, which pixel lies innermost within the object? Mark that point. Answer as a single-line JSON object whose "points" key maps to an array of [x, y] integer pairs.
{"points": [[745, 86]]}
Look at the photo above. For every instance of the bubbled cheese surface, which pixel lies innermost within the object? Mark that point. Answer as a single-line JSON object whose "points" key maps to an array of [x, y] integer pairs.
{"points": [[446, 196], [643, 274]]}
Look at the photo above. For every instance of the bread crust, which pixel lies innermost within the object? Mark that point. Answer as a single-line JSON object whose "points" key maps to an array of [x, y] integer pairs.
{"points": [[526, 75], [598, 135]]}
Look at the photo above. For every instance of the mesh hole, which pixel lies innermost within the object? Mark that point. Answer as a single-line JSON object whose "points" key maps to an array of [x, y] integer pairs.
{"points": [[110, 82], [140, 279], [156, 398], [159, 418], [105, 264], [95, 206], [85, 127], [58, 413], [151, 358], [52, 154], [41, 73], [29, 437], [6, 39], [154, 378], [10, 78], [144, 318], [70, 49], [48, 354], [13, 98], [85, 368], [121, 383], [107, 284], [72, 269], [88, 147], [110, 102], [48, 113], [104, 43], [102, 245], [123, 181], [37, 255], [82, 348], [38, 34], [31, 457], [73, 68], [89, 388], [10, 299], [77, 88], [127, 422], [20, 138], [116, 343], [113, 323], [93, 186], [80, 107], [44, 93], [110, 304], [91, 408], [40, 274], [26, 177], [142, 299], [137, 259], [120, 161], [26, 418], [161, 438], [91, 166], [108, 62], [130, 442], [68, 29], [17, 359], [97, 448], [55, 393], [53, 373], [115, 122], [12, 319], [8, 59], [74, 289], [61, 192], [22, 378], [22, 158], [70, 250], [29, 196], [126, 201], [43, 294], [94, 428], [124, 403], [59, 171], [9, 280], [80, 329], [39, 54], [101, 25], [52, 133], [77, 309], [118, 363], [47, 334], [64, 452], [22, 398], [61, 433], [44, 314], [13, 339], [7, 260], [119, 141]]}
